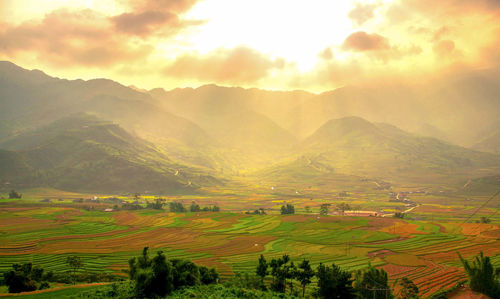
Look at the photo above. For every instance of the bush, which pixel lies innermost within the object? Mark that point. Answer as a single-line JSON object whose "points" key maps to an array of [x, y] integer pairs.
{"points": [[14, 194], [22, 278]]}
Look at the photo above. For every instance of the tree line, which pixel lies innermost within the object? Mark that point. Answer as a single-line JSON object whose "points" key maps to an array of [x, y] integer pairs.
{"points": [[332, 281], [28, 277], [158, 277]]}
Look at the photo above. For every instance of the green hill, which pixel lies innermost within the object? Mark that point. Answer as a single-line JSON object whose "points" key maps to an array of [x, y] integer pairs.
{"points": [[83, 153], [354, 146]]}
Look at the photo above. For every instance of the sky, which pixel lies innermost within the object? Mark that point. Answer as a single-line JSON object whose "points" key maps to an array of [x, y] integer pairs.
{"points": [[314, 45]]}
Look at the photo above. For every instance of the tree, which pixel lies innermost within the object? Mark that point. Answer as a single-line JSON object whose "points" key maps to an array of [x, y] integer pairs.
{"points": [[485, 220], [287, 210], [482, 275], [176, 207], [408, 289], [304, 275], [19, 279], [215, 209], [14, 194], [342, 207], [155, 278], [399, 215], [290, 273], [372, 283], [208, 276], [158, 277], [194, 207], [279, 271], [158, 204], [323, 210], [262, 270], [333, 282], [186, 273], [75, 263]]}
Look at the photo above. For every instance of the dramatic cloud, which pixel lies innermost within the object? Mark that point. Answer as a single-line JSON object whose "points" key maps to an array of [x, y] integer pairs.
{"points": [[362, 41], [175, 6], [154, 16], [146, 23], [172, 43], [239, 65], [361, 13], [143, 23], [66, 37]]}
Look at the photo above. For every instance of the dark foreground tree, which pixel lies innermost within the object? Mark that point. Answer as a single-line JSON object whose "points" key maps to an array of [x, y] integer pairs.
{"points": [[279, 272], [333, 282], [153, 278], [304, 275], [482, 275], [408, 289], [158, 277], [262, 270], [372, 283], [21, 278]]}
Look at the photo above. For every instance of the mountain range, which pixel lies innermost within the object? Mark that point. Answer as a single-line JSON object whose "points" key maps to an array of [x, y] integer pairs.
{"points": [[101, 136]]}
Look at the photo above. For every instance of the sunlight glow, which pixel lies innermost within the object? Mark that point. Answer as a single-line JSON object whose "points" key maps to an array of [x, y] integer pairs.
{"points": [[295, 36]]}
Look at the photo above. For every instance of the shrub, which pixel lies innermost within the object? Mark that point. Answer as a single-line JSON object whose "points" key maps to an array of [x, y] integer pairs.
{"points": [[14, 194]]}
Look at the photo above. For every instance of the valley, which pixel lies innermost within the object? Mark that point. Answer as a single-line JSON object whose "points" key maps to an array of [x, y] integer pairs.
{"points": [[98, 165]]}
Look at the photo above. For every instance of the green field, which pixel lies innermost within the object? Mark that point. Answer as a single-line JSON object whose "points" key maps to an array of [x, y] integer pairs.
{"points": [[423, 249]]}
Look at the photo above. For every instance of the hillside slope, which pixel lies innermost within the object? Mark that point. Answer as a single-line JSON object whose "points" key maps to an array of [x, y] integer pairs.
{"points": [[354, 146], [30, 99], [84, 153]]}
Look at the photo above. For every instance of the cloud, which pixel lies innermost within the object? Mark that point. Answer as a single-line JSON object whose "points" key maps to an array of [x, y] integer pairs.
{"points": [[143, 23], [326, 54], [239, 65], [174, 6], [377, 47], [146, 23], [444, 48], [154, 17], [362, 41], [67, 38], [361, 13]]}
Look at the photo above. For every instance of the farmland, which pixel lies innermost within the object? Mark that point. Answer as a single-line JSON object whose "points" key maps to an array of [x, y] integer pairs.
{"points": [[421, 248]]}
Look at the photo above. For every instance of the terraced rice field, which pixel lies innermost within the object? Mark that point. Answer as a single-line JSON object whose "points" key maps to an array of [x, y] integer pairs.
{"points": [[424, 251]]}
